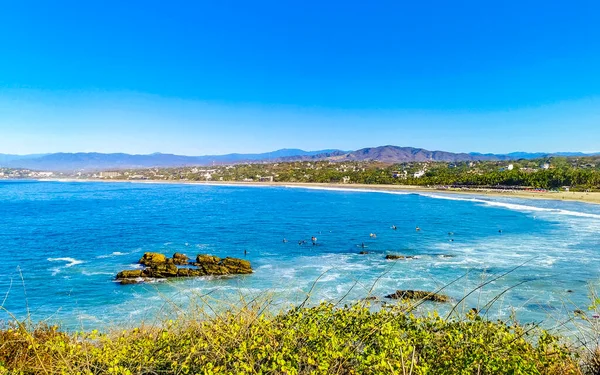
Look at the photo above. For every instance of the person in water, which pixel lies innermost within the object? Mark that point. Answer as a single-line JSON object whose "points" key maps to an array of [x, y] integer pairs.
{"points": [[394, 227], [417, 229], [284, 240], [362, 245], [314, 240]]}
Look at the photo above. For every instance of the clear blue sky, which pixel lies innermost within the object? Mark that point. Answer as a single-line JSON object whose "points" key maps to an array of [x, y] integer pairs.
{"points": [[206, 77]]}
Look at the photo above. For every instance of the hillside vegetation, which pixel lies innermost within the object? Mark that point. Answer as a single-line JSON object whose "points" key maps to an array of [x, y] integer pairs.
{"points": [[578, 173], [305, 340]]}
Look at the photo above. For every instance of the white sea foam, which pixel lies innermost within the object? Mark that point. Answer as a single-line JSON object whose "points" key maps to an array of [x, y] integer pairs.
{"points": [[70, 261], [111, 255], [348, 189], [511, 206], [514, 206], [329, 277], [86, 273]]}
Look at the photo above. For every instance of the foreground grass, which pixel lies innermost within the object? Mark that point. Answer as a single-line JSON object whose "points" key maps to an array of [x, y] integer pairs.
{"points": [[321, 340]]}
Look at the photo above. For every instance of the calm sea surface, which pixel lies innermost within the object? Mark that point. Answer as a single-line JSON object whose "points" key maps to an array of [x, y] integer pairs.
{"points": [[61, 244]]}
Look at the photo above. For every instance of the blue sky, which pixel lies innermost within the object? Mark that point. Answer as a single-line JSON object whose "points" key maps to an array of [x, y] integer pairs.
{"points": [[209, 77]]}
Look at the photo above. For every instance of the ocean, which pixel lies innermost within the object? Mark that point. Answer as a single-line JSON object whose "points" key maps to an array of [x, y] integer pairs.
{"points": [[62, 243]]}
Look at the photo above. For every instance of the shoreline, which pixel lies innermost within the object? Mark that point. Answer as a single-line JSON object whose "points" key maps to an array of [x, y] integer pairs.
{"points": [[584, 197]]}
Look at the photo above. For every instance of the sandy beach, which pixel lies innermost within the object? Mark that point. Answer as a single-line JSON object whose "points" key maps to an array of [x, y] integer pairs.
{"points": [[586, 197]]}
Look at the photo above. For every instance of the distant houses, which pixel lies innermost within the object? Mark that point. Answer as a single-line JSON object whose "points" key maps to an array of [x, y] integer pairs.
{"points": [[109, 174]]}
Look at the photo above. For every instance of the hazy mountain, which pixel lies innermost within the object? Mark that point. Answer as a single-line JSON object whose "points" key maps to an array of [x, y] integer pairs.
{"points": [[388, 154], [90, 161], [394, 154]]}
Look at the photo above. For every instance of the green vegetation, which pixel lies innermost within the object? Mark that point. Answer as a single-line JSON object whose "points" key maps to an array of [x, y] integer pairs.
{"points": [[552, 173], [305, 340]]}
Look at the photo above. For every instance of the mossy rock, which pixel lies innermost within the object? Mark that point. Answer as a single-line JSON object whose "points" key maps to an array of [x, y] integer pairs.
{"points": [[419, 295], [150, 259], [237, 266], [167, 269], [190, 272], [215, 269], [181, 259], [393, 257], [130, 274], [207, 259]]}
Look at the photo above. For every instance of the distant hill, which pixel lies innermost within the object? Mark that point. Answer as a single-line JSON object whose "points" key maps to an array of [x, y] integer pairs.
{"points": [[66, 162], [395, 154], [90, 161]]}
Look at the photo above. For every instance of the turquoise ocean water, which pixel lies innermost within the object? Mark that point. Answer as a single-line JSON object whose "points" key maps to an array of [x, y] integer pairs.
{"points": [[61, 244]]}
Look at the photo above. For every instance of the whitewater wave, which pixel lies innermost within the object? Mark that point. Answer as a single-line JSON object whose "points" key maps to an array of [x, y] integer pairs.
{"points": [[510, 206], [514, 206], [348, 189], [70, 261], [111, 255], [86, 273]]}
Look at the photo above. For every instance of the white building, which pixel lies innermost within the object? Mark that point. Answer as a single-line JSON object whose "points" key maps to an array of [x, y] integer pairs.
{"points": [[419, 174]]}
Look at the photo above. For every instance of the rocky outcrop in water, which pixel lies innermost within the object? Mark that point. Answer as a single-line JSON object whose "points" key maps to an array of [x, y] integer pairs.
{"points": [[180, 259], [419, 295], [158, 266], [149, 259], [394, 257]]}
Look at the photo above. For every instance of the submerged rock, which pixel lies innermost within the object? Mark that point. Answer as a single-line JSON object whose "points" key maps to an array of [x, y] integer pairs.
{"points": [[159, 266], [131, 281], [419, 294]]}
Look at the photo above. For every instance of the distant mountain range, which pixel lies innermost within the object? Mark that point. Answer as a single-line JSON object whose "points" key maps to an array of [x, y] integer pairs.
{"points": [[66, 162]]}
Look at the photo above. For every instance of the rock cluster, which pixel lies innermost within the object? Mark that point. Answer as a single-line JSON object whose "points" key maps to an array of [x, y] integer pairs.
{"points": [[419, 295], [158, 266]]}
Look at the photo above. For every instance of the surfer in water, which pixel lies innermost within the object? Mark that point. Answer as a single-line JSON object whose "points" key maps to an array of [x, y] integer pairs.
{"points": [[417, 229], [394, 227], [285, 241]]}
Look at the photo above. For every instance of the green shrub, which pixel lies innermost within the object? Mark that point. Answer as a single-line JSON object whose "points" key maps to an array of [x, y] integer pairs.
{"points": [[319, 340]]}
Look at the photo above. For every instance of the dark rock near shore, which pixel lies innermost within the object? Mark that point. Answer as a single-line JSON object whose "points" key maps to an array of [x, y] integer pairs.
{"points": [[130, 274], [393, 257], [159, 266], [419, 295]]}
